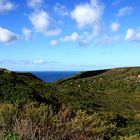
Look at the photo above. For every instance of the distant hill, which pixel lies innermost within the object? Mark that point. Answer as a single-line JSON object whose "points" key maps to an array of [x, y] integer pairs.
{"points": [[116, 89]]}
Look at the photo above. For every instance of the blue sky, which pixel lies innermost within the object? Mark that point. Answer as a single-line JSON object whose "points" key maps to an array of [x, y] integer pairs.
{"points": [[74, 35]]}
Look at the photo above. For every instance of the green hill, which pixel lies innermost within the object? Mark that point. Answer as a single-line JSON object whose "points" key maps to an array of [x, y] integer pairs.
{"points": [[101, 104], [115, 90], [19, 88]]}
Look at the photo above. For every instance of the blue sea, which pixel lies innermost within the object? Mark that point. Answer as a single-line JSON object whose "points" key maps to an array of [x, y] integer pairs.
{"points": [[51, 76]]}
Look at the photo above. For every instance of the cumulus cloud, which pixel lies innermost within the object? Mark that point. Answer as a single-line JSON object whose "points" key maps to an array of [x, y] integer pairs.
{"points": [[114, 26], [73, 37], [41, 23], [61, 10], [27, 33], [7, 36], [53, 42], [125, 11], [132, 35], [88, 14], [6, 6], [82, 38], [35, 4]]}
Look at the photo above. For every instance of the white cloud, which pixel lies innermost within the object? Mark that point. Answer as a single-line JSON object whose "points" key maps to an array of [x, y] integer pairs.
{"points": [[73, 37], [124, 11], [82, 39], [132, 35], [88, 14], [35, 4], [39, 61], [33, 62], [40, 21], [53, 42], [7, 36], [61, 10], [114, 26], [27, 33], [6, 6]]}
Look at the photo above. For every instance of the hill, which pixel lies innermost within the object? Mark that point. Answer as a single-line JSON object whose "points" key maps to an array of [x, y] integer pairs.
{"points": [[116, 90], [20, 88], [101, 104]]}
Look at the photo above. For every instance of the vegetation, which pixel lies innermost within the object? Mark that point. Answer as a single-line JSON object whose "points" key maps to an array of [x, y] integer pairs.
{"points": [[116, 90], [41, 122], [100, 105], [20, 88]]}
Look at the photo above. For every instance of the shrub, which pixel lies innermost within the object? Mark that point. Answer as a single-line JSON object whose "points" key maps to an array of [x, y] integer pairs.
{"points": [[41, 114], [8, 114]]}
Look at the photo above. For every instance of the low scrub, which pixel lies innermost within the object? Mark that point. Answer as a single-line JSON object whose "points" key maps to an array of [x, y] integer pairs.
{"points": [[38, 122]]}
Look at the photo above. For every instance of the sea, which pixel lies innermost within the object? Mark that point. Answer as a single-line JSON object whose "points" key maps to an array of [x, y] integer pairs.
{"points": [[52, 76]]}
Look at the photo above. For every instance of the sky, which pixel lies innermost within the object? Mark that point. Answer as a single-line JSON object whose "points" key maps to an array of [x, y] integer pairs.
{"points": [[69, 35]]}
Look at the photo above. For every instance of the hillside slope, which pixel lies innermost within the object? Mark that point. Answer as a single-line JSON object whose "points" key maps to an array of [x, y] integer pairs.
{"points": [[19, 88], [115, 90]]}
